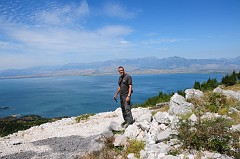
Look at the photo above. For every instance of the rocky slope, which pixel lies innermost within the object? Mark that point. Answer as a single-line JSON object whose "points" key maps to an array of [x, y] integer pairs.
{"points": [[68, 139]]}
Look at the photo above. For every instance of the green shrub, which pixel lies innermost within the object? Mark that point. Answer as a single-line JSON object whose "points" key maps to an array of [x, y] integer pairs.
{"points": [[210, 84], [160, 98], [135, 146], [9, 125], [197, 85], [216, 101], [83, 117], [211, 135], [232, 79]]}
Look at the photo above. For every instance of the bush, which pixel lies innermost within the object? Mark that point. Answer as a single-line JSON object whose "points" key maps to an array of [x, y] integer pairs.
{"points": [[135, 146], [211, 135], [205, 86], [9, 125], [83, 117], [162, 97], [232, 79]]}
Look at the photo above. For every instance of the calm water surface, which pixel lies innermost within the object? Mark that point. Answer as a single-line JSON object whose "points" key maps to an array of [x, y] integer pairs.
{"points": [[75, 95]]}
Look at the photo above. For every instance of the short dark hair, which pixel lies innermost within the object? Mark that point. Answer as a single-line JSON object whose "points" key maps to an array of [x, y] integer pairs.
{"points": [[120, 67]]}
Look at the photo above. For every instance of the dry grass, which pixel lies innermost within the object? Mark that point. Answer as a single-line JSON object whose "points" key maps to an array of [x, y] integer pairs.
{"points": [[235, 88], [157, 109], [110, 151]]}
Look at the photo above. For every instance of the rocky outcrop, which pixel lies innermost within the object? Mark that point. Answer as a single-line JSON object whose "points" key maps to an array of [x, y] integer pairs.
{"points": [[61, 139], [193, 93], [228, 93], [68, 139], [179, 105]]}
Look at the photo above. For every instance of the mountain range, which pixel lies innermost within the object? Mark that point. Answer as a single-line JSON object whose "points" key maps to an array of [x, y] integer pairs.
{"points": [[144, 65]]}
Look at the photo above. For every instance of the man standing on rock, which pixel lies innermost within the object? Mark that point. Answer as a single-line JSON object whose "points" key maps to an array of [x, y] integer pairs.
{"points": [[125, 90]]}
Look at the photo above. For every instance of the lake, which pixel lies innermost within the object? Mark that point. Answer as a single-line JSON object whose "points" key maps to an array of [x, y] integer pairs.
{"points": [[76, 95]]}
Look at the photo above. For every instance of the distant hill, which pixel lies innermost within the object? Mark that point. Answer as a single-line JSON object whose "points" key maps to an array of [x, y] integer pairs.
{"points": [[138, 66]]}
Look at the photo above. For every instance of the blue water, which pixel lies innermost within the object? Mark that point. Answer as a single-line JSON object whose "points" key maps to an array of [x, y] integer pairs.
{"points": [[75, 95]]}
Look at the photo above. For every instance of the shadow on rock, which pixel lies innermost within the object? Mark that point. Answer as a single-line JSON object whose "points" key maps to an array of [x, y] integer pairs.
{"points": [[64, 147]]}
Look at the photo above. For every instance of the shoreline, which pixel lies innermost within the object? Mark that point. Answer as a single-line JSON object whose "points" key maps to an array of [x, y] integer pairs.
{"points": [[151, 72]]}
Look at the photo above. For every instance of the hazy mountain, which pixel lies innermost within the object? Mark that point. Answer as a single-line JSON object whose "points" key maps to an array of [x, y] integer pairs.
{"points": [[138, 65]]}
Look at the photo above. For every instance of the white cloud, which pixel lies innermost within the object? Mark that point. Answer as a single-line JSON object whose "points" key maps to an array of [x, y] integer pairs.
{"points": [[63, 40], [124, 42], [117, 10], [55, 34], [63, 15], [114, 30], [163, 40]]}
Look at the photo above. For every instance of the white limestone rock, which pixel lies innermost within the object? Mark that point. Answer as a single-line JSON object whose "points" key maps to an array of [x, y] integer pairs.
{"points": [[131, 156], [164, 135], [211, 154], [147, 116], [144, 125], [150, 138], [143, 154], [193, 118], [132, 131], [141, 136], [179, 105], [152, 133], [171, 157], [233, 110], [120, 140], [228, 93], [193, 93], [235, 128], [162, 117], [140, 114], [115, 126], [162, 126]]}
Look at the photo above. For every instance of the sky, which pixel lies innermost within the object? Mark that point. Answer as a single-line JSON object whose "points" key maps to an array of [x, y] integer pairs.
{"points": [[56, 32]]}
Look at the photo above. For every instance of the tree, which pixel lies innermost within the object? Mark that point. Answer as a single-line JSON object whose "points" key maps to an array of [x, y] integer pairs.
{"points": [[197, 85]]}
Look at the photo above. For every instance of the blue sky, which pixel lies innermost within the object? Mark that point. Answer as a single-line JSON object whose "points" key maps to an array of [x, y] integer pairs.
{"points": [[52, 32]]}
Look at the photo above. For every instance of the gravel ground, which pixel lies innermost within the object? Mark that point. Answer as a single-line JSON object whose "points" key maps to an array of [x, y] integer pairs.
{"points": [[61, 139]]}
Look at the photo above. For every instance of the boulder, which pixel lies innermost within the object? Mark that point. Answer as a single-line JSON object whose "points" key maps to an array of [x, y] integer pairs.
{"points": [[147, 115], [171, 157], [193, 93], [235, 128], [141, 135], [193, 118], [131, 156], [115, 126], [179, 105], [162, 126], [144, 125], [162, 117], [132, 131], [228, 93], [143, 154], [164, 135], [120, 140], [211, 154]]}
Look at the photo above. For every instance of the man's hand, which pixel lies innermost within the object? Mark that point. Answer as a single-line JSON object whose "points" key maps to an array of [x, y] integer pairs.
{"points": [[115, 98], [127, 99]]}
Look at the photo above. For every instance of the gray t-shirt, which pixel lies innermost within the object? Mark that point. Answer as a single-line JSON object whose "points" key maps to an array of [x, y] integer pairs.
{"points": [[124, 83]]}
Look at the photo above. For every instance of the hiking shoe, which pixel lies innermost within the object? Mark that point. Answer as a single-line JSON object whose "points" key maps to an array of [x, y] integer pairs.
{"points": [[126, 125], [123, 123]]}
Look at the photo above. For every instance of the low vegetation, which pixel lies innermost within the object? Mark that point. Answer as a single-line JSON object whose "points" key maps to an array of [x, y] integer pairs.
{"points": [[208, 134], [110, 151], [210, 84], [83, 117], [160, 98], [9, 125], [211, 135]]}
